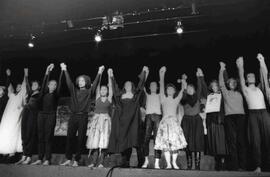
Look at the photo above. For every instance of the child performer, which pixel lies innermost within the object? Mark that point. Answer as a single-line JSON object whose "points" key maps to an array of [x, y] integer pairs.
{"points": [[10, 127], [80, 103], [152, 119], [49, 95], [216, 141], [259, 119], [126, 118], [100, 126], [170, 136], [192, 123], [235, 122]]}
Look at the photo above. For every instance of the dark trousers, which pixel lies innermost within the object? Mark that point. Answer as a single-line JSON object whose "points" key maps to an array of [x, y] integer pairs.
{"points": [[126, 155], [29, 130], [259, 137], [151, 124], [236, 136], [46, 125], [76, 123]]}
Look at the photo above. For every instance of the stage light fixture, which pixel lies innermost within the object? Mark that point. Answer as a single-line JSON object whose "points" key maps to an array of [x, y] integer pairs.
{"points": [[98, 37], [31, 41], [179, 27]]}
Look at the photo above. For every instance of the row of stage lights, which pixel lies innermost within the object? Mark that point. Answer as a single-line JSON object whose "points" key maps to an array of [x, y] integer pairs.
{"points": [[98, 36]]}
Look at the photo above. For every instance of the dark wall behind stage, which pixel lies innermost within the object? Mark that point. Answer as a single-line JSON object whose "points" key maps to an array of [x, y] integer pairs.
{"points": [[234, 31]]}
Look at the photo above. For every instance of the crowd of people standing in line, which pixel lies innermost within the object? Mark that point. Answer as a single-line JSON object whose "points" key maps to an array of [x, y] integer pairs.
{"points": [[222, 120]]}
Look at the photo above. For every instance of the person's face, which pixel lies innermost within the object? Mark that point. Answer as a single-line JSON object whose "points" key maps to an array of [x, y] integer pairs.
{"points": [[35, 86], [214, 87], [251, 78], [128, 86], [170, 91], [52, 86], [18, 88], [153, 87], [232, 84], [103, 91], [190, 90], [81, 82]]}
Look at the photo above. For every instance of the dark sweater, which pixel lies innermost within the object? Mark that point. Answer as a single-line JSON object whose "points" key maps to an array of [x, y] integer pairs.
{"points": [[81, 98]]}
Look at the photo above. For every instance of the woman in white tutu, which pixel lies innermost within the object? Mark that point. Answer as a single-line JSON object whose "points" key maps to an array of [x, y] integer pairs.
{"points": [[10, 127], [170, 136], [100, 125]]}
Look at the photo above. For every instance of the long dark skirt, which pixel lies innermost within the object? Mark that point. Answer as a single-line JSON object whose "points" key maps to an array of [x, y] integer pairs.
{"points": [[215, 135], [193, 131]]}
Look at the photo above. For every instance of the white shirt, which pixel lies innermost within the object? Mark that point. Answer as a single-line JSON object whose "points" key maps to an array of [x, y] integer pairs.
{"points": [[255, 98], [153, 104], [213, 103]]}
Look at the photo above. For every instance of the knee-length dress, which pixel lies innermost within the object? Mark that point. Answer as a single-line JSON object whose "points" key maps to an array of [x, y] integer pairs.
{"points": [[126, 119], [170, 136], [100, 126]]}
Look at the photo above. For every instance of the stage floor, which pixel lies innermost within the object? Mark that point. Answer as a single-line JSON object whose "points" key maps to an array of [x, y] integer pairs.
{"points": [[60, 171]]}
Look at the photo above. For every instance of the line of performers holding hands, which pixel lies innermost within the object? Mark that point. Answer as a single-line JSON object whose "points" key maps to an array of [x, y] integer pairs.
{"points": [[116, 124]]}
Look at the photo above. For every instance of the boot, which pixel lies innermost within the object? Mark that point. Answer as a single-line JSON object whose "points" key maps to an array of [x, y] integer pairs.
{"points": [[197, 161], [189, 160]]}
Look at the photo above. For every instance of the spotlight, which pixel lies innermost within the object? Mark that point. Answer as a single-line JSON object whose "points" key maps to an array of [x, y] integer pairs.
{"points": [[31, 45], [179, 27], [98, 37], [31, 41]]}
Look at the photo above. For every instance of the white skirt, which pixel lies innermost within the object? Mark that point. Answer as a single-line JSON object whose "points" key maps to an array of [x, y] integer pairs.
{"points": [[170, 136], [99, 132]]}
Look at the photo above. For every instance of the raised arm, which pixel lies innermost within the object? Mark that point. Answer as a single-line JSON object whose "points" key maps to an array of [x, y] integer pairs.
{"points": [[264, 75], [45, 81], [202, 84], [28, 87], [183, 87], [162, 72], [8, 85], [97, 80], [59, 84], [98, 89], [110, 75], [221, 78], [143, 75], [240, 66], [70, 84]]}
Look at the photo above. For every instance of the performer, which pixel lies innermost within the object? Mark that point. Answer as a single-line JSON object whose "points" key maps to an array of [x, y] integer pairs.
{"points": [[215, 124], [259, 119], [192, 123], [10, 127], [100, 126], [80, 103], [152, 119], [29, 121], [4, 94], [235, 122], [49, 95], [170, 136], [126, 119]]}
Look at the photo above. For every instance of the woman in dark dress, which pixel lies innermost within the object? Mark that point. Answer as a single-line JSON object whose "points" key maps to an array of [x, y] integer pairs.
{"points": [[192, 123], [126, 118]]}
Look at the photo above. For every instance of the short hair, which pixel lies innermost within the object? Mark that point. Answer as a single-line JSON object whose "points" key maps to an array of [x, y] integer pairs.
{"points": [[87, 80], [173, 86]]}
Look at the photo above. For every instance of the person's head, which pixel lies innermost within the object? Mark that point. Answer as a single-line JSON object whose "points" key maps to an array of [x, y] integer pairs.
{"points": [[153, 87], [170, 90], [34, 86], [52, 85], [83, 81], [232, 84], [103, 91], [251, 78], [2, 90], [18, 88], [129, 87], [190, 89], [214, 87]]}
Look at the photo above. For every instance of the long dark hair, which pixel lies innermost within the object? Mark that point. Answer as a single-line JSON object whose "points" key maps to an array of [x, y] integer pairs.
{"points": [[133, 88]]}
